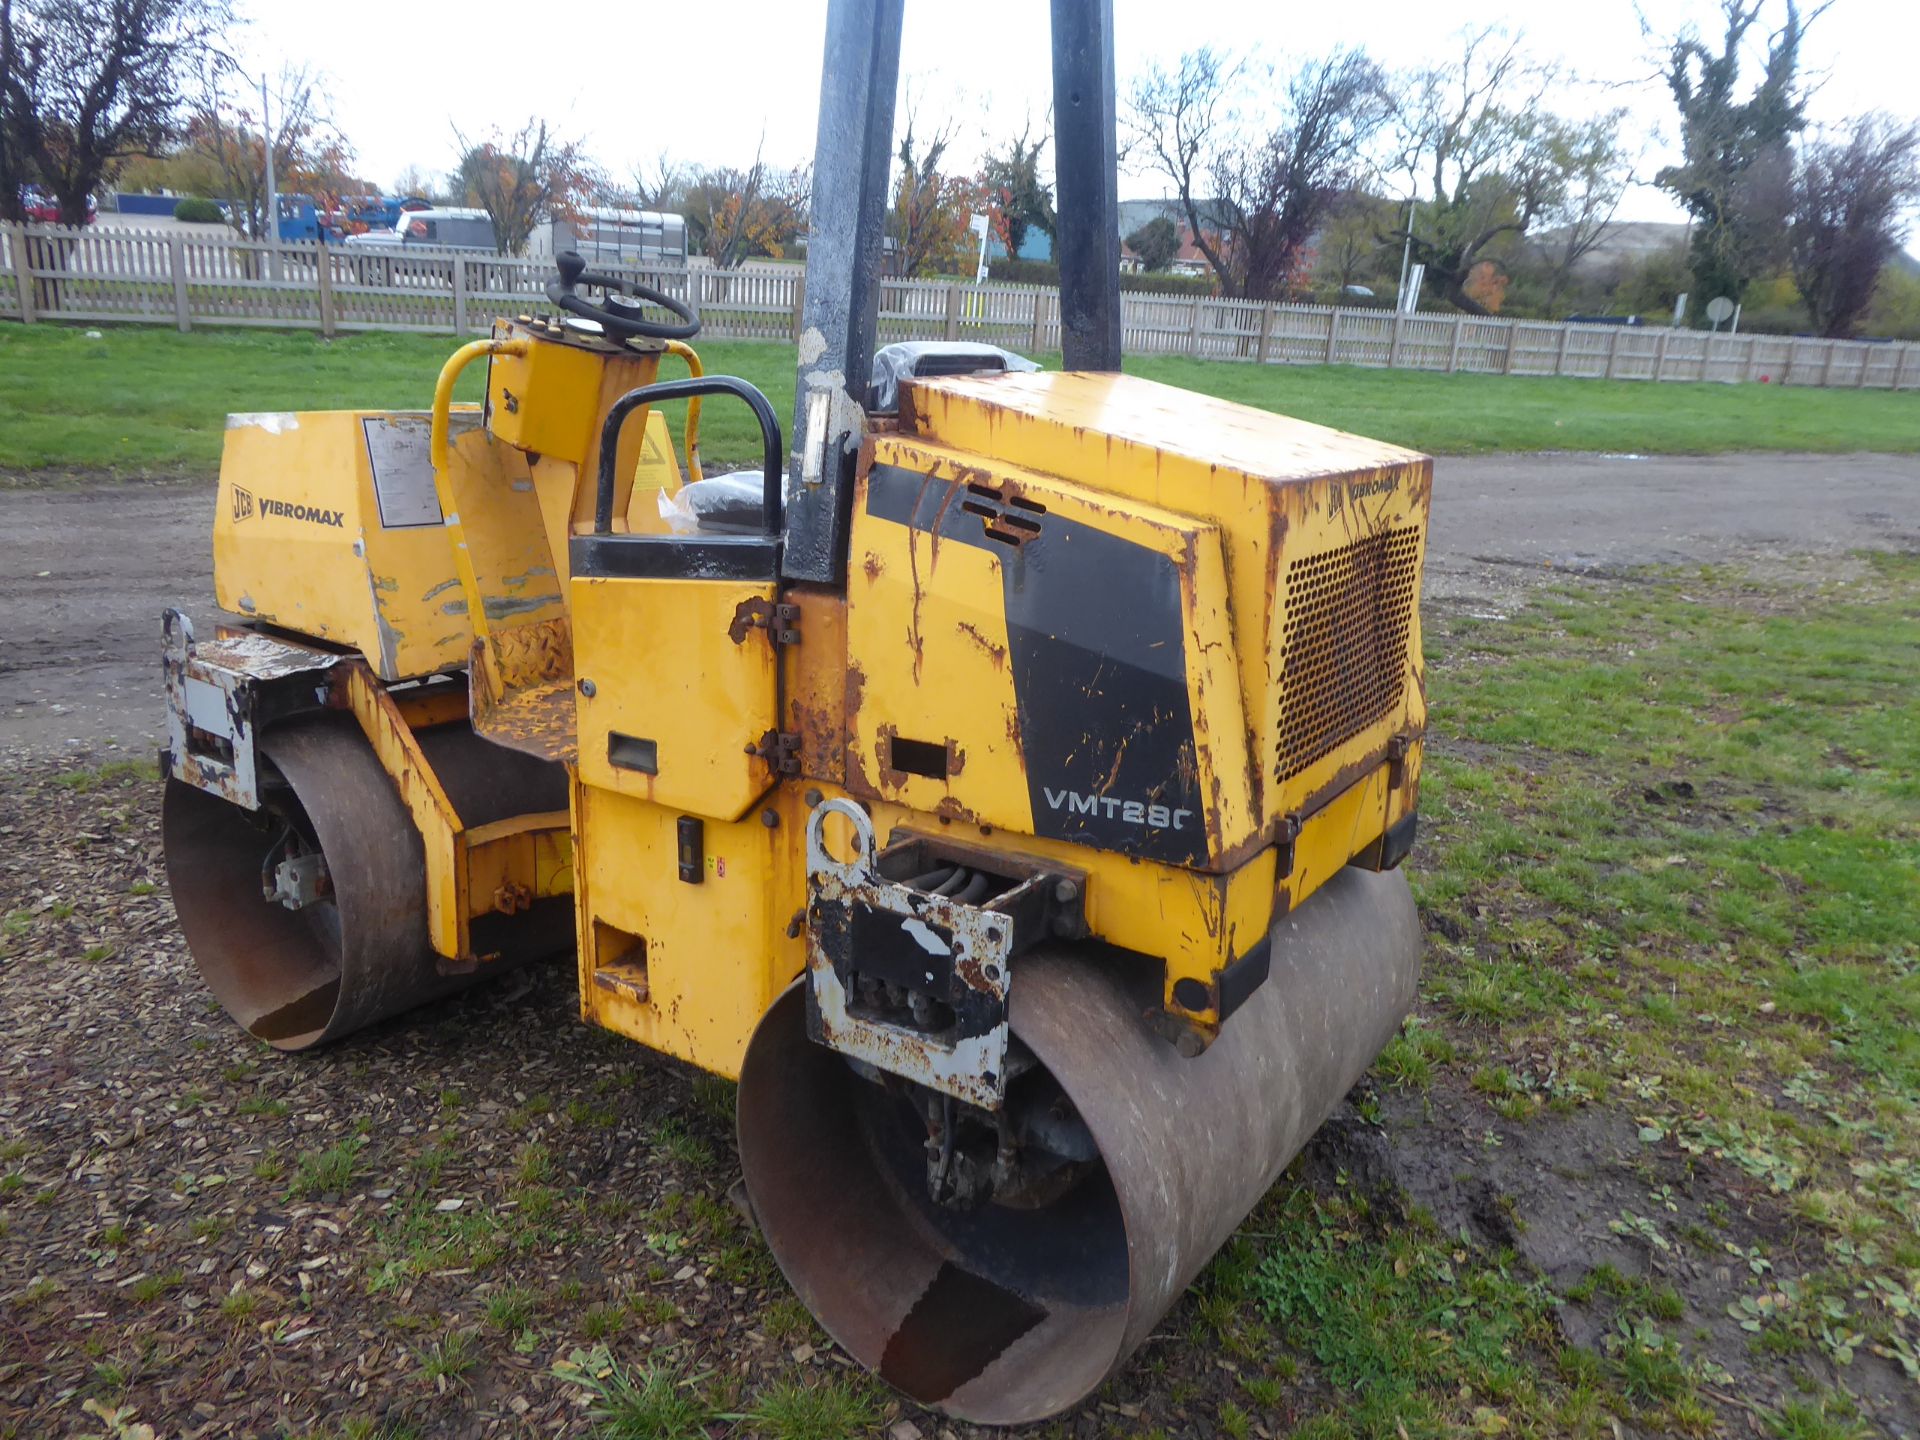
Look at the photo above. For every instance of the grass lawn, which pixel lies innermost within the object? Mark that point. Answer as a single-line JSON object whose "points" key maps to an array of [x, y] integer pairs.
{"points": [[150, 400], [1670, 873]]}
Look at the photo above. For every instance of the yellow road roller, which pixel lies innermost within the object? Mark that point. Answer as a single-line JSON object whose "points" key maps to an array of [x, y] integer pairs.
{"points": [[1005, 780]]}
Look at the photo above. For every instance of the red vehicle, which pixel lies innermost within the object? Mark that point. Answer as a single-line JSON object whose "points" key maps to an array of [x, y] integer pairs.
{"points": [[42, 209]]}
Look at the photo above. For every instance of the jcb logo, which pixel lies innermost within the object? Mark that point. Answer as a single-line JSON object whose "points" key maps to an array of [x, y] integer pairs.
{"points": [[242, 503]]}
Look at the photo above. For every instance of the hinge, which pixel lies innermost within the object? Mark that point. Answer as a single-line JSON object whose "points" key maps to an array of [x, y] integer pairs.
{"points": [[780, 749], [1397, 749], [1285, 834]]}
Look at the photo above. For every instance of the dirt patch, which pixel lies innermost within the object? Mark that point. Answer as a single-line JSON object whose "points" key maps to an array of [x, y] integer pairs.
{"points": [[1583, 1193]]}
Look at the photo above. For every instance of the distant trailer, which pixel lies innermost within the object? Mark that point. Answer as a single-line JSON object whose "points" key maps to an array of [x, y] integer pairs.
{"points": [[614, 237]]}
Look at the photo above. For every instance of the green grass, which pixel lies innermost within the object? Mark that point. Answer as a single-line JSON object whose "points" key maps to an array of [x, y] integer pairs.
{"points": [[1670, 864], [151, 400], [1475, 414], [650, 1404]]}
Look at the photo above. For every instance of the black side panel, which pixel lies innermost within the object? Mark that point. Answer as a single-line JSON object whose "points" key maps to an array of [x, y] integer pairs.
{"points": [[1098, 655]]}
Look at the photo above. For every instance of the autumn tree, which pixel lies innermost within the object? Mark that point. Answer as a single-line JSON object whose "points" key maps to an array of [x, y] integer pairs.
{"points": [[1156, 243], [1018, 200], [227, 138], [1484, 159], [931, 209], [1735, 175], [523, 179], [751, 212], [84, 84], [1849, 193], [1257, 185]]}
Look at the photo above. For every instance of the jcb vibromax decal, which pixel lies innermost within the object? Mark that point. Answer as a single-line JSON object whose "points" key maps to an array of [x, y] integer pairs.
{"points": [[244, 506]]}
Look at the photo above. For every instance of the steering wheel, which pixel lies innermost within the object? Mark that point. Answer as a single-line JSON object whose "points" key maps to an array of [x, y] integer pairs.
{"points": [[617, 317]]}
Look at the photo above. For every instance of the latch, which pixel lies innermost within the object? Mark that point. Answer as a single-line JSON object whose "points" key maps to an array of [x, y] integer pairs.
{"points": [[780, 621], [780, 749]]}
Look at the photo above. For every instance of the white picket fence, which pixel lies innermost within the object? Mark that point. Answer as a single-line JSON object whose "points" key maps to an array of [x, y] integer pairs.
{"points": [[187, 279]]}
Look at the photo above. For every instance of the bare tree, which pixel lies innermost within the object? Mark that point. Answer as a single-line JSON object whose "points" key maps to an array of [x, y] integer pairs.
{"points": [[522, 179], [1482, 156], [661, 186], [1278, 185], [1848, 197], [416, 180], [1274, 174], [86, 83], [1180, 119]]}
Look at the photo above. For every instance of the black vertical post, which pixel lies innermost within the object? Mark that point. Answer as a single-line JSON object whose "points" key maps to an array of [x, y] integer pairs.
{"points": [[840, 310], [1086, 180]]}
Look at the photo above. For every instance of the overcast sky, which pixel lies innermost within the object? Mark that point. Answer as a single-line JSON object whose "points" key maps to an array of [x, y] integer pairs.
{"points": [[706, 82]]}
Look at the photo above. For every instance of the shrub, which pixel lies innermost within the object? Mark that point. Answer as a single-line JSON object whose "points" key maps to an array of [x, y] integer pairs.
{"points": [[198, 210]]}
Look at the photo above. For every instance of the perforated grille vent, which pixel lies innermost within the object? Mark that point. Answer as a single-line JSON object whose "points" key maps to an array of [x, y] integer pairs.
{"points": [[1343, 656]]}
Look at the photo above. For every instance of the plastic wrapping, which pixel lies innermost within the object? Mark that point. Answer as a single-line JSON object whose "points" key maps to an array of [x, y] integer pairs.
{"points": [[910, 358], [717, 505]]}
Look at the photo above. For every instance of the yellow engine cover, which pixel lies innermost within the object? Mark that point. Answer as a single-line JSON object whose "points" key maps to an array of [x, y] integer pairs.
{"points": [[1095, 609], [328, 525]]}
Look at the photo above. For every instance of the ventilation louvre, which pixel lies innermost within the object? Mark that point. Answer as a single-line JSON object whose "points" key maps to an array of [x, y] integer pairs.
{"points": [[1343, 653]]}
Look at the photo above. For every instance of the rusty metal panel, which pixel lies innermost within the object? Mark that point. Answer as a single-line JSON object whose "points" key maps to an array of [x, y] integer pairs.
{"points": [[214, 701], [961, 952]]}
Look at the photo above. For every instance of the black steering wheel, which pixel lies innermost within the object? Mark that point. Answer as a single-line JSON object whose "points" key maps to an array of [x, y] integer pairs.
{"points": [[617, 317]]}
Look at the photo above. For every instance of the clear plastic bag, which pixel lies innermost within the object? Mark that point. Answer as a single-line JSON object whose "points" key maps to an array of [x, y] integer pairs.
{"points": [[717, 505]]}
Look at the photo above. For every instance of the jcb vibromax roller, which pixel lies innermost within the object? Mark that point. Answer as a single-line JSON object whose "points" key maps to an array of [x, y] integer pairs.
{"points": [[1005, 783]]}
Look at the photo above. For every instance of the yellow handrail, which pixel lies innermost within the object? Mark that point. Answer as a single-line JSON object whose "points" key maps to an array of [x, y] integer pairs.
{"points": [[695, 369], [443, 394]]}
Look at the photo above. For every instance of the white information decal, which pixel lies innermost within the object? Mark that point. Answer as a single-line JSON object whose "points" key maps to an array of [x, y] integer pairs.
{"points": [[397, 449]]}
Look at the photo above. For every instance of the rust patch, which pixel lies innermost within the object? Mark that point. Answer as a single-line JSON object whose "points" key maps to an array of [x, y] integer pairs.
{"points": [[997, 652], [873, 566], [951, 809], [750, 614]]}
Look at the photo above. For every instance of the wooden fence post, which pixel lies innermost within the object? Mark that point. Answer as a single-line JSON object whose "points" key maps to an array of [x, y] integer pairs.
{"points": [[1866, 364], [1660, 354], [1560, 355], [177, 267], [1613, 349], [1039, 338], [323, 275], [1900, 367], [1826, 362], [799, 304], [459, 295], [1393, 347], [1193, 331], [1266, 332], [1506, 360], [1453, 350], [22, 272], [1333, 336], [953, 312], [1752, 372]]}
